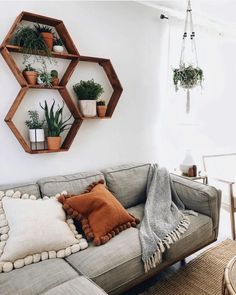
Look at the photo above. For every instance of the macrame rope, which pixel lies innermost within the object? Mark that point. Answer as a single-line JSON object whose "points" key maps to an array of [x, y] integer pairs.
{"points": [[188, 25]]}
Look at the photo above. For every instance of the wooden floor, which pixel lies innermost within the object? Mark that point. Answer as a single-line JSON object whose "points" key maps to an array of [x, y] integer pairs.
{"points": [[224, 233]]}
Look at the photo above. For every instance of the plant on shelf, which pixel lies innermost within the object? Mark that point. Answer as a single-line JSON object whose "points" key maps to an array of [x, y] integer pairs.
{"points": [[35, 125], [30, 41], [54, 77], [55, 125], [87, 93], [47, 34], [58, 45], [30, 74], [101, 108], [44, 78], [187, 77]]}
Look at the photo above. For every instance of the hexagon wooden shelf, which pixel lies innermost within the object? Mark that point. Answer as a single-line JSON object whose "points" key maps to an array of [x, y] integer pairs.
{"points": [[73, 55], [70, 135], [113, 79]]}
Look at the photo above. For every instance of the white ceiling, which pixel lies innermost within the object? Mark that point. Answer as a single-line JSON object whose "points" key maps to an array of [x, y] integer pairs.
{"points": [[221, 11]]}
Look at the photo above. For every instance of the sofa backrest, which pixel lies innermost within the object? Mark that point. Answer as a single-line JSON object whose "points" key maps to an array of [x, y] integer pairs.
{"points": [[128, 183], [29, 188], [72, 184]]}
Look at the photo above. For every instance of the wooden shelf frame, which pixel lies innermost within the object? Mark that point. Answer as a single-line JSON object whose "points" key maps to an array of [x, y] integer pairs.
{"points": [[70, 135], [73, 55], [113, 79]]}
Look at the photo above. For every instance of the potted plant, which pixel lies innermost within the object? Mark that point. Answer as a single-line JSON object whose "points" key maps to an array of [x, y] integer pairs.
{"points": [[35, 125], [187, 77], [55, 125], [47, 34], [54, 77], [87, 93], [58, 45], [31, 42], [101, 108], [30, 74], [44, 78]]}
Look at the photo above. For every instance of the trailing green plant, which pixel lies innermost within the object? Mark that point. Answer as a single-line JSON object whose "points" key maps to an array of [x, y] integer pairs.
{"points": [[31, 43], [57, 42], [29, 68], [187, 77], [101, 103], [29, 40], [54, 119], [43, 29], [34, 122], [54, 74], [88, 90]]}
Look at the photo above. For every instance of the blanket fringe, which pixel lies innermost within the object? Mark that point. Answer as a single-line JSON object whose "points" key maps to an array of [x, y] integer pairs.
{"points": [[169, 239]]}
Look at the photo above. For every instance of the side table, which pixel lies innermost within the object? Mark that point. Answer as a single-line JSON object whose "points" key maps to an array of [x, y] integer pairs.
{"points": [[203, 177], [229, 278]]}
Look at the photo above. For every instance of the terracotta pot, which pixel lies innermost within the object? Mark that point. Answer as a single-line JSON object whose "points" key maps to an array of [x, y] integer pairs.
{"points": [[54, 143], [55, 82], [101, 111], [31, 77], [48, 39]]}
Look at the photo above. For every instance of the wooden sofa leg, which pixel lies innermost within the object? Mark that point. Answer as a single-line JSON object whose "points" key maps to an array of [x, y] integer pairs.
{"points": [[183, 262]]}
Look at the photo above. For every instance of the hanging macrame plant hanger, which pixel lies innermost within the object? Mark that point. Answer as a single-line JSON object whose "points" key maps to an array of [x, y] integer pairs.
{"points": [[188, 32]]}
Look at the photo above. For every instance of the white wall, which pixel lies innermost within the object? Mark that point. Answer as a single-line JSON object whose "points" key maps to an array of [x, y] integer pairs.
{"points": [[128, 33], [210, 126]]}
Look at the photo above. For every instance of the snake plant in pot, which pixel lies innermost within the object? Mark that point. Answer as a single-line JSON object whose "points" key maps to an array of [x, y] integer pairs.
{"points": [[87, 93], [55, 124]]}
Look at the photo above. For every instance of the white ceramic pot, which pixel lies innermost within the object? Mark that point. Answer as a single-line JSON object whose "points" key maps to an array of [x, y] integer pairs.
{"points": [[58, 48], [36, 135], [187, 163], [88, 108]]}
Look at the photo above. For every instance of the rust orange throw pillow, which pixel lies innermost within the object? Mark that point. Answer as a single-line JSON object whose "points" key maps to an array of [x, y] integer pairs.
{"points": [[102, 216]]}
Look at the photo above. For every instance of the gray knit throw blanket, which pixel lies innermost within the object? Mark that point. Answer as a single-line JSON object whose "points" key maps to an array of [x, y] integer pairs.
{"points": [[163, 221]]}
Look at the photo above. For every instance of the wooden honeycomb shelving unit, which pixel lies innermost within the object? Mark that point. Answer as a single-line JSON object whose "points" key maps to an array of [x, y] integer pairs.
{"points": [[73, 55]]}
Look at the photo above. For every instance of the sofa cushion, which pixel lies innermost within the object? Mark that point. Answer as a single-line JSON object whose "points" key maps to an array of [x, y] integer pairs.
{"points": [[21, 224], [73, 183], [102, 216], [24, 188], [200, 230], [119, 261], [77, 286], [128, 183], [137, 211], [112, 264], [36, 278]]}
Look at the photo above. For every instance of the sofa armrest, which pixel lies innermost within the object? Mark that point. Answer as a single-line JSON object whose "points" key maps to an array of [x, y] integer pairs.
{"points": [[199, 197]]}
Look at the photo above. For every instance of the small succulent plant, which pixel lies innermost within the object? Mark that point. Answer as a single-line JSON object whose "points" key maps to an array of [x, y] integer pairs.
{"points": [[34, 122], [101, 103]]}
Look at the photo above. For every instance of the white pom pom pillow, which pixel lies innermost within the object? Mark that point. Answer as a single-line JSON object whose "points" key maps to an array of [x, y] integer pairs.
{"points": [[32, 230]]}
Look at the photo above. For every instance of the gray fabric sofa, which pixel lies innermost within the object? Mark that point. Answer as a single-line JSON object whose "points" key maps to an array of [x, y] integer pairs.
{"points": [[117, 265]]}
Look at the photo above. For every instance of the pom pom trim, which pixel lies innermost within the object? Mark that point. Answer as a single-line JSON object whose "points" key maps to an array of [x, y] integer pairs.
{"points": [[6, 266]]}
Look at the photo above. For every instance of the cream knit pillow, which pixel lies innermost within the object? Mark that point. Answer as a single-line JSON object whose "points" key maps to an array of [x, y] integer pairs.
{"points": [[34, 229]]}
